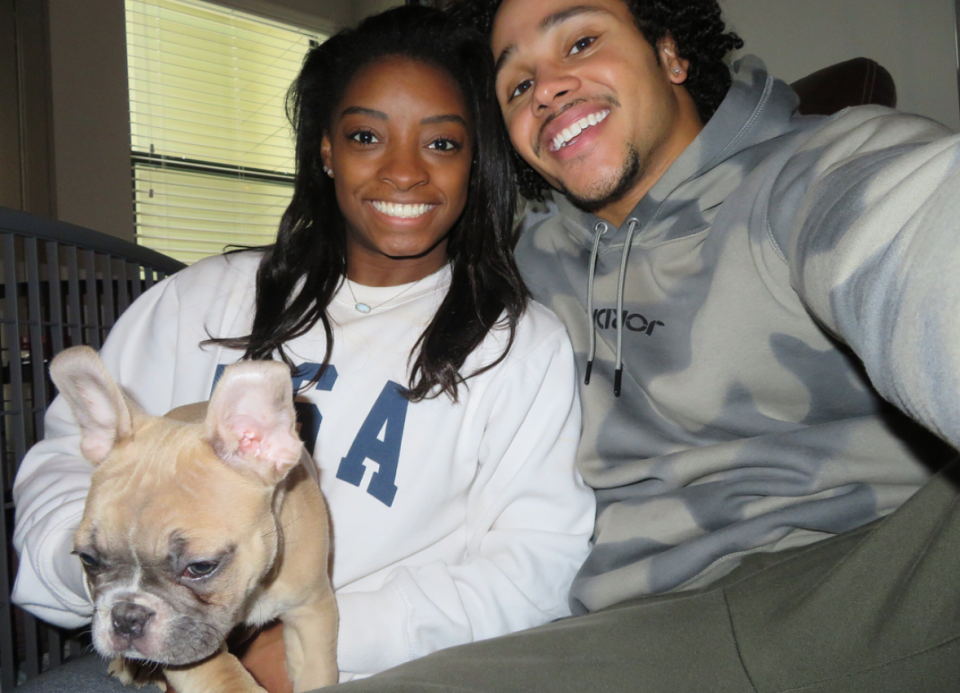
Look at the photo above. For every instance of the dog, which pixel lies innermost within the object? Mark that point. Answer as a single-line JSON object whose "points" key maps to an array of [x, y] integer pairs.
{"points": [[198, 521]]}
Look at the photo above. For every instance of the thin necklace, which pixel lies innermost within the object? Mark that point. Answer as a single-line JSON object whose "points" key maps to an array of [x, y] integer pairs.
{"points": [[365, 308]]}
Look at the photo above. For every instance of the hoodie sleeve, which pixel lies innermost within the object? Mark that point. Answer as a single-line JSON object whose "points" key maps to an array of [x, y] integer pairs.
{"points": [[867, 214], [530, 518]]}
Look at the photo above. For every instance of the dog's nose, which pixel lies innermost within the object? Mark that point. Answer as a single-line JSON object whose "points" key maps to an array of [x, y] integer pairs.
{"points": [[130, 619]]}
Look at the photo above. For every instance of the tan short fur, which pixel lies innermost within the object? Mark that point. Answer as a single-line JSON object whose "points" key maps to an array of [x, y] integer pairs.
{"points": [[201, 520]]}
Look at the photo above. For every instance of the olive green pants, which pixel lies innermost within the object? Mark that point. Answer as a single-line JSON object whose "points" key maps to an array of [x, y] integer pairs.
{"points": [[870, 611]]}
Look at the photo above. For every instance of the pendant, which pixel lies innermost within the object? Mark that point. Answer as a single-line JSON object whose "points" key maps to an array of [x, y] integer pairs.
{"points": [[363, 308]]}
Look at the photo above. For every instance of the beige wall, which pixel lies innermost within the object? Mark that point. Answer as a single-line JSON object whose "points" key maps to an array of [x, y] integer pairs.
{"points": [[91, 129], [25, 147], [10, 180], [913, 39]]}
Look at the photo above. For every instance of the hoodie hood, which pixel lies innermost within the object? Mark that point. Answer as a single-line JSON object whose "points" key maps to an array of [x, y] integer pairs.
{"points": [[756, 110]]}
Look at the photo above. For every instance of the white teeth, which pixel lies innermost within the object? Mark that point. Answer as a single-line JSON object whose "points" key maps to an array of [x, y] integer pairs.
{"points": [[575, 129], [393, 209]]}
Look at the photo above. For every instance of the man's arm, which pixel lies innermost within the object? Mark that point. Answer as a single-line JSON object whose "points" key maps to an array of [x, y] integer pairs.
{"points": [[874, 252]]}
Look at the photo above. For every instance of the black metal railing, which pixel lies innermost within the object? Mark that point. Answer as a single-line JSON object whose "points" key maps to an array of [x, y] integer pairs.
{"points": [[60, 285]]}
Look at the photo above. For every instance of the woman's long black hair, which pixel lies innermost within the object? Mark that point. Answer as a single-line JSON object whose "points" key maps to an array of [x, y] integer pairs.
{"points": [[301, 272]]}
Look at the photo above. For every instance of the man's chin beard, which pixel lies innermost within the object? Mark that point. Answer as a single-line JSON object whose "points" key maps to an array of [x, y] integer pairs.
{"points": [[629, 174]]}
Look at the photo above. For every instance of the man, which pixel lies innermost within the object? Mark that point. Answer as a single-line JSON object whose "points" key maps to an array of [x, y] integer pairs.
{"points": [[744, 288], [740, 283], [721, 418]]}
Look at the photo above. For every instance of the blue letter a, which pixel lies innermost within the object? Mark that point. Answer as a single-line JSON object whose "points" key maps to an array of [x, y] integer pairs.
{"points": [[389, 415]]}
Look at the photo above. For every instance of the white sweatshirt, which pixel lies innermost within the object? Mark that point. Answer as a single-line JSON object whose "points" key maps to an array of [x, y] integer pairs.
{"points": [[451, 522]]}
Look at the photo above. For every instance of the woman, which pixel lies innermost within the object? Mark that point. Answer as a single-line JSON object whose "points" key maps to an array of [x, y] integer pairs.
{"points": [[438, 402]]}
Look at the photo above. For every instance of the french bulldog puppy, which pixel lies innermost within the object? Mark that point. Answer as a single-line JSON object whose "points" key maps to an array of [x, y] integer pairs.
{"points": [[200, 520]]}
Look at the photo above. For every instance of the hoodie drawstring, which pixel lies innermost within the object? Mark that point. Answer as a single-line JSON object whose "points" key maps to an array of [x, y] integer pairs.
{"points": [[600, 229], [621, 280]]}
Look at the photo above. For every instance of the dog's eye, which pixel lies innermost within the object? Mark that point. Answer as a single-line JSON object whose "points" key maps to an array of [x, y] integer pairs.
{"points": [[200, 569], [89, 562]]}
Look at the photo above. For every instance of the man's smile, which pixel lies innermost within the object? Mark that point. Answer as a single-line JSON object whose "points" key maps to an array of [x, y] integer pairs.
{"points": [[564, 136], [563, 127]]}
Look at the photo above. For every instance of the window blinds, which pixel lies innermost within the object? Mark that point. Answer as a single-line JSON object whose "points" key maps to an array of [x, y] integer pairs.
{"points": [[212, 150]]}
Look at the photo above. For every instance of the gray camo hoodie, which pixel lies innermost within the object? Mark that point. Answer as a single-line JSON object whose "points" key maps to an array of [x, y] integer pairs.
{"points": [[783, 271]]}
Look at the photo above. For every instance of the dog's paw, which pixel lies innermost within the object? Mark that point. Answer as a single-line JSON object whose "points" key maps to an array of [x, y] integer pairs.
{"points": [[122, 669], [138, 674]]}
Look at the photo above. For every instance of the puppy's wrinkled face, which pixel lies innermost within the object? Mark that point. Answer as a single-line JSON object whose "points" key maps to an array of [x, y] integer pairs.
{"points": [[174, 544], [178, 530]]}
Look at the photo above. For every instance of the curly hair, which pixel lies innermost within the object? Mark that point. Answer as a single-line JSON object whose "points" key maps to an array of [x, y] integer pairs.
{"points": [[697, 29]]}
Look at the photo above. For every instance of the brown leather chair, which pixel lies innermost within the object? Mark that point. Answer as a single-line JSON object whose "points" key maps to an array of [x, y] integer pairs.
{"points": [[851, 83]]}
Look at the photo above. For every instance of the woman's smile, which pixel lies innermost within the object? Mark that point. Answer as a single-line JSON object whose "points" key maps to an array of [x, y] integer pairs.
{"points": [[401, 210]]}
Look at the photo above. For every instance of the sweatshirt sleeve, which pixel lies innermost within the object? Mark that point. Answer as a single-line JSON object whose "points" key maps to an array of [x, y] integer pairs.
{"points": [[868, 217], [52, 483], [530, 518]]}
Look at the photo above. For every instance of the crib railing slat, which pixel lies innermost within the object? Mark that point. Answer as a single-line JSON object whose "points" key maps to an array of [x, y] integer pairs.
{"points": [[62, 285]]}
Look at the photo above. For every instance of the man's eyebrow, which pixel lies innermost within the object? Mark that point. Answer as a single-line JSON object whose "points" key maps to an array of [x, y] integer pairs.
{"points": [[503, 57], [552, 20], [547, 23]]}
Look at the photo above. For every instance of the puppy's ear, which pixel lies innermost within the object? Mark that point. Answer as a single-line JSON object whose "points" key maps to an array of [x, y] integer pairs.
{"points": [[104, 415], [251, 422]]}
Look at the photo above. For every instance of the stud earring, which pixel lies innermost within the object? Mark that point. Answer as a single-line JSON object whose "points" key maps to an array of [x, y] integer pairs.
{"points": [[328, 171], [677, 70]]}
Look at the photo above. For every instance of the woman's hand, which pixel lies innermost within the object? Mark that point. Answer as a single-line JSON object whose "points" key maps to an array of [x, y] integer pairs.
{"points": [[265, 658]]}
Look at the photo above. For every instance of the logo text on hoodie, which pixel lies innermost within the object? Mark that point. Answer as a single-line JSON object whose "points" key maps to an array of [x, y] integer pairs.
{"points": [[606, 319]]}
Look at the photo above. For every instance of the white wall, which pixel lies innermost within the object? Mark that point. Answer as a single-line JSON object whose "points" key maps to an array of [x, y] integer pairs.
{"points": [[913, 39]]}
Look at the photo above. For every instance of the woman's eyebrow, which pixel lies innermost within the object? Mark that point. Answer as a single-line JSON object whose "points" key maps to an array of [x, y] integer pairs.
{"points": [[452, 118], [360, 110], [380, 115]]}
